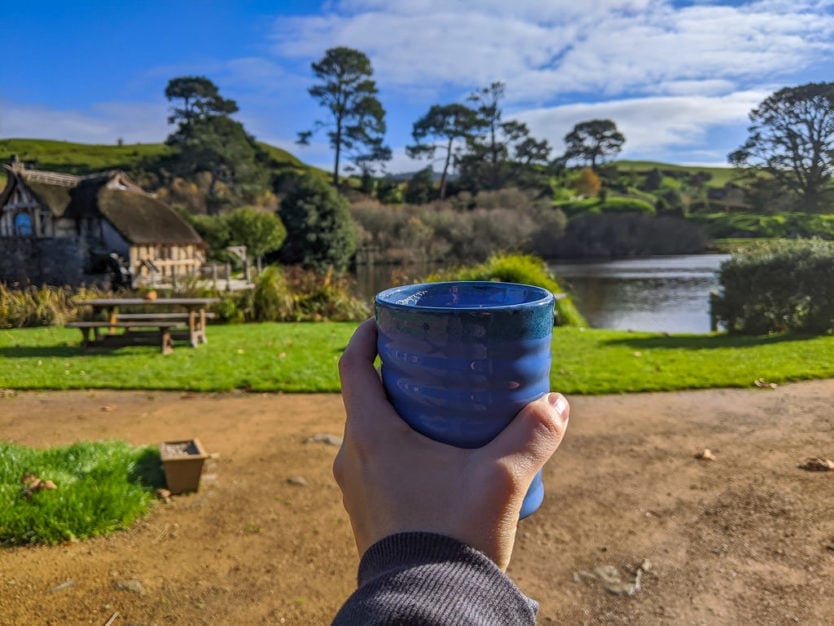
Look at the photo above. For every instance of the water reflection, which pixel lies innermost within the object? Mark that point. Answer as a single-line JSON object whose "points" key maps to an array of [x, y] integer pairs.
{"points": [[657, 294]]}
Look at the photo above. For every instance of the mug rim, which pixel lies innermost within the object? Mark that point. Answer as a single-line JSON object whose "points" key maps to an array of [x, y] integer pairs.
{"points": [[385, 298]]}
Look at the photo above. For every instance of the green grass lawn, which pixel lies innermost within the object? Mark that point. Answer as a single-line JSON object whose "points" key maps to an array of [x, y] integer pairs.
{"points": [[98, 488], [302, 357]]}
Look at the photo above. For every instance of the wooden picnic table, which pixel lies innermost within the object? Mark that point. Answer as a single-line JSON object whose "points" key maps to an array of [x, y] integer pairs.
{"points": [[162, 314]]}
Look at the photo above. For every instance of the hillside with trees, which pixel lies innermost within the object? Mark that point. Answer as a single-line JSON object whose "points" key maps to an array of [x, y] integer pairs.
{"points": [[497, 187]]}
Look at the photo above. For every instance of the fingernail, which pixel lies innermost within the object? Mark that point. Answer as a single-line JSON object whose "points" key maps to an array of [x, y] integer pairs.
{"points": [[559, 403]]}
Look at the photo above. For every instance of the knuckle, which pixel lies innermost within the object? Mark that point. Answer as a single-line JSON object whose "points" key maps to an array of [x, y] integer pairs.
{"points": [[340, 467]]}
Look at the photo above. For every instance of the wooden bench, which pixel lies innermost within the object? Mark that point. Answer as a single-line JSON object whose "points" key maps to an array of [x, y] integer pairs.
{"points": [[126, 338], [195, 321], [158, 316]]}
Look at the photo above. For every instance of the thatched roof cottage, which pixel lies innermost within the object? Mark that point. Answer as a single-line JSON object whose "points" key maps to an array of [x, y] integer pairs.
{"points": [[56, 228]]}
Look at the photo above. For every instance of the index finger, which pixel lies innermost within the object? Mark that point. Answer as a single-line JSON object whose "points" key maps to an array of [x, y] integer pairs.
{"points": [[362, 389]]}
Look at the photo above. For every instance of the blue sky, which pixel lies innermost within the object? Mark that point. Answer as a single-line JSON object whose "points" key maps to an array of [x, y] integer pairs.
{"points": [[678, 78]]}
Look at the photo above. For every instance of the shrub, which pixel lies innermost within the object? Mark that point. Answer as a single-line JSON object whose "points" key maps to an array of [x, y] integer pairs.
{"points": [[388, 191], [35, 306], [626, 205], [587, 183], [615, 204], [272, 300], [320, 233], [613, 235], [214, 230], [464, 229], [420, 187], [579, 207], [325, 298], [778, 286], [295, 294], [514, 268], [260, 231]]}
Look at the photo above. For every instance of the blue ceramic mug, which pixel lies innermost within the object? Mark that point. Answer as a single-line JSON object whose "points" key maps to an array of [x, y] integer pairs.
{"points": [[460, 359]]}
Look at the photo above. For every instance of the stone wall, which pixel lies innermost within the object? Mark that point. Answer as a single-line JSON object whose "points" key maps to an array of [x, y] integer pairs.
{"points": [[42, 261]]}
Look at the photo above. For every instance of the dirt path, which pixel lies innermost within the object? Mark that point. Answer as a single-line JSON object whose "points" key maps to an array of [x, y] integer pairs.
{"points": [[746, 538]]}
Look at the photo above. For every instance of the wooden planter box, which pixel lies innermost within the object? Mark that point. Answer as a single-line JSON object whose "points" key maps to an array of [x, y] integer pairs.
{"points": [[183, 463]]}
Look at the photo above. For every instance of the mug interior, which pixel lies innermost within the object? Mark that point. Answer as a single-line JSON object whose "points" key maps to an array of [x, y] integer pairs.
{"points": [[464, 295]]}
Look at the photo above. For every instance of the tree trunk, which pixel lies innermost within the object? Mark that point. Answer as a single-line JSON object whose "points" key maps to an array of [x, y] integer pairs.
{"points": [[338, 150], [445, 170]]}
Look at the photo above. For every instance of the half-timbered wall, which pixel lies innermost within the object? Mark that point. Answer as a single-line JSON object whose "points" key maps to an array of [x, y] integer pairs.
{"points": [[168, 259]]}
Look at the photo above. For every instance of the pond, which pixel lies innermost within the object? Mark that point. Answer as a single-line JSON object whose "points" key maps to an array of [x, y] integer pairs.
{"points": [[668, 293], [662, 293]]}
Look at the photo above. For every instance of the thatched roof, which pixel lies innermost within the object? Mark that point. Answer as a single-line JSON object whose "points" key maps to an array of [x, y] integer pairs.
{"points": [[137, 216], [143, 219], [56, 197]]}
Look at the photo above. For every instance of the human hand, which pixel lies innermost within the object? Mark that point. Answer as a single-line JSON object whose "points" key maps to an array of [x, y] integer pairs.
{"points": [[393, 479]]}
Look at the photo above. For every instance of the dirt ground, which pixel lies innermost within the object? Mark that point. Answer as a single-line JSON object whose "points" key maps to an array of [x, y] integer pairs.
{"points": [[746, 538]]}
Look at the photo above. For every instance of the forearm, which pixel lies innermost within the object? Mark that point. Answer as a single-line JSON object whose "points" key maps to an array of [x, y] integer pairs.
{"points": [[433, 579]]}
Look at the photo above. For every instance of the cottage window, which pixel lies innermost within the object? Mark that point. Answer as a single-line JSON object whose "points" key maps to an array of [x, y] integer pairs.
{"points": [[23, 225]]}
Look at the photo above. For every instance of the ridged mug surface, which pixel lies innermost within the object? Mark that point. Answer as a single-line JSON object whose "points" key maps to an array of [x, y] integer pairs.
{"points": [[460, 359]]}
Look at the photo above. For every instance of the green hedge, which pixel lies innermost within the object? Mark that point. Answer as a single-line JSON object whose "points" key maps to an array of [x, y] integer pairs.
{"points": [[778, 286]]}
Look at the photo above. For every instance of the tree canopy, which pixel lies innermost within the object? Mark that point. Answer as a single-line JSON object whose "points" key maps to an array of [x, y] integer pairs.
{"points": [[320, 231], [443, 126], [357, 118], [208, 140], [593, 141], [498, 150], [200, 99], [791, 137], [260, 231]]}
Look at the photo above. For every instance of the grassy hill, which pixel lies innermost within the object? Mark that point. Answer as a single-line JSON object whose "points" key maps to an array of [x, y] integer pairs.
{"points": [[82, 158], [718, 176]]}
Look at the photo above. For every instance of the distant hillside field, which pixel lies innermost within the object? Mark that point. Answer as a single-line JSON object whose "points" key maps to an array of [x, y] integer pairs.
{"points": [[82, 158], [719, 176]]}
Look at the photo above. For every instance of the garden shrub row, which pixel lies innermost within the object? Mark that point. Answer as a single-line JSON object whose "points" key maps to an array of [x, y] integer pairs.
{"points": [[281, 294], [460, 230], [778, 286], [34, 306]]}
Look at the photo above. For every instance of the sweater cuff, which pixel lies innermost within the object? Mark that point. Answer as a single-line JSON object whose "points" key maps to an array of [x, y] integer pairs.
{"points": [[437, 579]]}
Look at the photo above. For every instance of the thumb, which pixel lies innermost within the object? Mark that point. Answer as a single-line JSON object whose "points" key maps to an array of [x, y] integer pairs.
{"points": [[534, 434]]}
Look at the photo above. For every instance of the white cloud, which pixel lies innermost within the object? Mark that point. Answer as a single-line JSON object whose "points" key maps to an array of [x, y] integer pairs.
{"points": [[542, 48], [648, 123], [704, 87]]}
